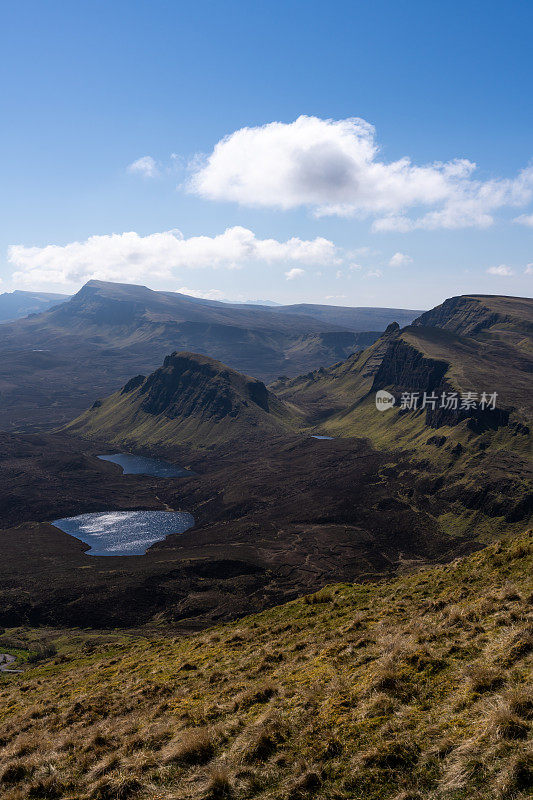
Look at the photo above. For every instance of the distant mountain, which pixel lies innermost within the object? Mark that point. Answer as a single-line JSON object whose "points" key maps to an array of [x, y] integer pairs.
{"points": [[191, 400], [14, 305], [354, 319], [255, 303], [53, 364]]}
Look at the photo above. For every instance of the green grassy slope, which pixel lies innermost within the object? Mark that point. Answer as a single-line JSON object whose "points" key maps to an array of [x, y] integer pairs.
{"points": [[467, 344], [411, 689], [191, 400]]}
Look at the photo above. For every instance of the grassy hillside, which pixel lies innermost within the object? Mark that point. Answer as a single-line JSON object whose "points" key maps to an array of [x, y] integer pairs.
{"points": [[415, 688], [191, 400], [482, 463]]}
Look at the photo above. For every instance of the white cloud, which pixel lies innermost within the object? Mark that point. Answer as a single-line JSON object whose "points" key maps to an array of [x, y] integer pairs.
{"points": [[374, 273], [525, 219], [133, 258], [145, 166], [293, 273], [334, 168], [400, 260], [355, 267], [502, 270], [529, 269]]}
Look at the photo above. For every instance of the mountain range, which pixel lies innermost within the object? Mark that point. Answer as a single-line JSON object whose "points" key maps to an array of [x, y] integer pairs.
{"points": [[19, 303], [54, 363], [278, 512], [480, 347]]}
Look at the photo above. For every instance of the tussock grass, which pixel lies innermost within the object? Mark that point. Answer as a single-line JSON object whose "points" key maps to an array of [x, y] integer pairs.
{"points": [[413, 689]]}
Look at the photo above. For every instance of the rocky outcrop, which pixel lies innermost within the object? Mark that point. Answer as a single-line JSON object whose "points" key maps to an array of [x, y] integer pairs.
{"points": [[407, 369], [187, 384], [133, 384], [193, 401]]}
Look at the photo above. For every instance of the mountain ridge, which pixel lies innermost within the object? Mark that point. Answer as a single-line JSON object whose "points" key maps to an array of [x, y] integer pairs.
{"points": [[108, 332], [19, 303]]}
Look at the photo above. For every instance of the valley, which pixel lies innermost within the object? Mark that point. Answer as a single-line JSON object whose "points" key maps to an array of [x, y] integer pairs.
{"points": [[290, 487], [53, 365], [146, 530]]}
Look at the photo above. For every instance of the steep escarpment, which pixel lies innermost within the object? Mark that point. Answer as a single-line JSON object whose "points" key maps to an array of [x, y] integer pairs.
{"points": [[191, 400], [189, 383], [469, 315], [474, 452], [475, 346], [406, 367]]}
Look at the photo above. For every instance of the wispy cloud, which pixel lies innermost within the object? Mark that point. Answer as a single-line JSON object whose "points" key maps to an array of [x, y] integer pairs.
{"points": [[293, 273], [502, 270], [204, 294], [400, 260], [525, 219], [145, 166]]}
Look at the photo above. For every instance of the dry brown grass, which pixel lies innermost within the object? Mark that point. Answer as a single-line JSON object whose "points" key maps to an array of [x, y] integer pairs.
{"points": [[417, 689], [192, 747]]}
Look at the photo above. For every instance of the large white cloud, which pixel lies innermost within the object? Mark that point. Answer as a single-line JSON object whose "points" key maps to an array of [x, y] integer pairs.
{"points": [[132, 258], [334, 168]]}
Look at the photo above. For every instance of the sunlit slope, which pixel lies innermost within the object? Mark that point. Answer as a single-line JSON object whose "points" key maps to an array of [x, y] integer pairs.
{"points": [[416, 688], [466, 345], [479, 460], [191, 400]]}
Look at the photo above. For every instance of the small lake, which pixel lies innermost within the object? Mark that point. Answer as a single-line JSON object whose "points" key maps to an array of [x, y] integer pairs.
{"points": [[322, 437], [124, 533], [139, 465]]}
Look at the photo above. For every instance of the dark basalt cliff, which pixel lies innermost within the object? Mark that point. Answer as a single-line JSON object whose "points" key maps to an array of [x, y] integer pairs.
{"points": [[188, 384], [190, 400], [406, 368]]}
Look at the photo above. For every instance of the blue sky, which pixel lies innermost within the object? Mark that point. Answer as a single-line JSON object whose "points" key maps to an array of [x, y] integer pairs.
{"points": [[114, 162]]}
